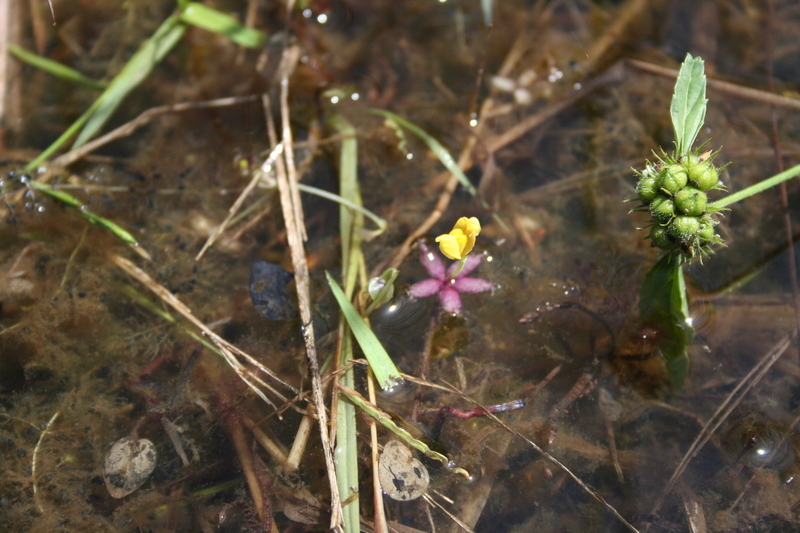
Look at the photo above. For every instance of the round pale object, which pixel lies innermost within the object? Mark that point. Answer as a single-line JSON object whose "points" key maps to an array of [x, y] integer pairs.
{"points": [[402, 476], [128, 464]]}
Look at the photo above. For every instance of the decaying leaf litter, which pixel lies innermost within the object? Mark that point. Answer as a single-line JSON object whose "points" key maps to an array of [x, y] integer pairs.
{"points": [[566, 98]]}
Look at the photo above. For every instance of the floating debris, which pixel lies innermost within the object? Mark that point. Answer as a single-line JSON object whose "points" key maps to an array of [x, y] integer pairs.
{"points": [[128, 464], [268, 291], [402, 476]]}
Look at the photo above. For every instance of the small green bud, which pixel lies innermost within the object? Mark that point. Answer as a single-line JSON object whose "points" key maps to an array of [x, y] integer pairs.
{"points": [[705, 175], [647, 188], [684, 228], [674, 178], [660, 238], [662, 209], [706, 233], [691, 201]]}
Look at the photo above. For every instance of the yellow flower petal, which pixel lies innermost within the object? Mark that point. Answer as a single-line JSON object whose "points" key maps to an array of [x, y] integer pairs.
{"points": [[457, 244], [451, 245]]}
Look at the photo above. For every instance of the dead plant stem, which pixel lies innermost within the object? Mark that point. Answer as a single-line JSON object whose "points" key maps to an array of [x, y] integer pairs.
{"points": [[295, 228]]}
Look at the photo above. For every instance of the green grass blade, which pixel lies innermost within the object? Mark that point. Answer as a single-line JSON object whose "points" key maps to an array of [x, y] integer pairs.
{"points": [[386, 421], [487, 6], [54, 67], [346, 451], [688, 107], [132, 74], [382, 365], [435, 146], [350, 225], [76, 204], [209, 19]]}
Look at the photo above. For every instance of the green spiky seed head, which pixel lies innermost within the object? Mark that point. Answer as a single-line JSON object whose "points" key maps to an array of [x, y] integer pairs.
{"points": [[648, 188], [662, 209], [674, 178], [706, 233], [691, 201], [703, 173], [660, 238], [684, 228]]}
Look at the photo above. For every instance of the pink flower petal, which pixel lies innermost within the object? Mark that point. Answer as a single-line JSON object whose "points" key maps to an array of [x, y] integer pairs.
{"points": [[470, 264], [431, 261], [451, 301], [471, 285], [425, 288]]}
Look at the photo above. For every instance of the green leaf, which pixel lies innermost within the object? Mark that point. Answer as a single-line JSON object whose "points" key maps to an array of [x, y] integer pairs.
{"points": [[136, 70], [688, 107], [386, 421], [209, 19], [347, 447], [663, 303], [54, 67], [436, 147], [76, 204], [382, 365]]}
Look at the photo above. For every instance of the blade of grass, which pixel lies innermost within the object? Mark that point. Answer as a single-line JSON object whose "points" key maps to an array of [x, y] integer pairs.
{"points": [[132, 74], [350, 225], [386, 421], [382, 365], [78, 206], [209, 19], [435, 146], [55, 68], [442, 154], [346, 450]]}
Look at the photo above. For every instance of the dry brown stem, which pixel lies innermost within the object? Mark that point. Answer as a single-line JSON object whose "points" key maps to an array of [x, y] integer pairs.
{"points": [[295, 229], [224, 346], [126, 129]]}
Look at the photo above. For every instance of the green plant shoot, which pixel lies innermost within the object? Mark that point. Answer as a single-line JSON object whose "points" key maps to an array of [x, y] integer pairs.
{"points": [[688, 108]]}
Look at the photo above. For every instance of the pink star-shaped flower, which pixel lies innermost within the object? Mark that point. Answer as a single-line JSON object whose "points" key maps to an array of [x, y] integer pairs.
{"points": [[444, 283]]}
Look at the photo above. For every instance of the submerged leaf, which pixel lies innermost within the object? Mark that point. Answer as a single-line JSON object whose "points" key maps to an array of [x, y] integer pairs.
{"points": [[688, 107], [663, 303]]}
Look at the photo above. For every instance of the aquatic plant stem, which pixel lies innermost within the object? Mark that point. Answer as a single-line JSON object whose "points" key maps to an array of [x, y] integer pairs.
{"points": [[295, 230], [343, 413], [757, 188]]}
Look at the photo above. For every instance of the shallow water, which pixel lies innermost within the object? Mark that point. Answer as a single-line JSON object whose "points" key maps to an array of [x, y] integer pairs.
{"points": [[87, 359]]}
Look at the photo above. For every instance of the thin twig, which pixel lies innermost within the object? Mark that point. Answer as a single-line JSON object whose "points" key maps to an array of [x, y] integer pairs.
{"points": [[723, 411], [225, 347], [234, 209], [36, 455], [126, 129], [593, 493], [740, 91], [454, 518]]}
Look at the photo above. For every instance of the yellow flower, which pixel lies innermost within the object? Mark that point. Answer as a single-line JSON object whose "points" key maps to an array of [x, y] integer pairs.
{"points": [[459, 242]]}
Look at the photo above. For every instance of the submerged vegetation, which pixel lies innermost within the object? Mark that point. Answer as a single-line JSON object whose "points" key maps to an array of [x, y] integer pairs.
{"points": [[221, 307]]}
